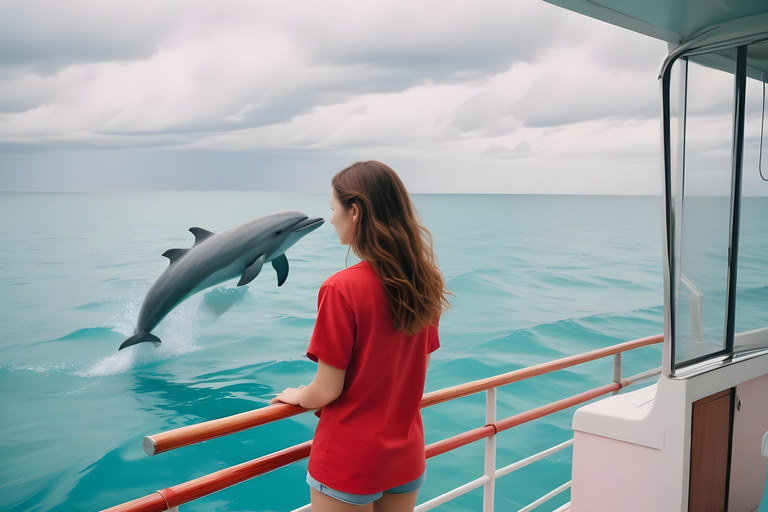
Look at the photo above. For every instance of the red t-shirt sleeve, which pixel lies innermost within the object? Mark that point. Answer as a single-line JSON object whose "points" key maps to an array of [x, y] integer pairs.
{"points": [[434, 338], [333, 337]]}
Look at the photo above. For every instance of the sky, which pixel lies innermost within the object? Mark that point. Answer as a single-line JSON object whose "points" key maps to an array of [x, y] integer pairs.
{"points": [[457, 96]]}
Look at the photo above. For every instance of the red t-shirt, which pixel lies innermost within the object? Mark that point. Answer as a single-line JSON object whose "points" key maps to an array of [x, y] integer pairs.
{"points": [[370, 438]]}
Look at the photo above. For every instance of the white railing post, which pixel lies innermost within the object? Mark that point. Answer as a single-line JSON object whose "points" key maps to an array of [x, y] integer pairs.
{"points": [[617, 370], [490, 451]]}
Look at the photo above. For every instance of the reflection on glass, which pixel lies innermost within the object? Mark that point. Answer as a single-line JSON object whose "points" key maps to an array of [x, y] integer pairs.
{"points": [[752, 277], [705, 227]]}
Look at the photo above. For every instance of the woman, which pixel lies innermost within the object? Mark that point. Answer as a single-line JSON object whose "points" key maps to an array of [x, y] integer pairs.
{"points": [[376, 327]]}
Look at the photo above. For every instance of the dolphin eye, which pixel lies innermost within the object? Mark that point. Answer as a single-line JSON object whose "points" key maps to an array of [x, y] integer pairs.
{"points": [[279, 232]]}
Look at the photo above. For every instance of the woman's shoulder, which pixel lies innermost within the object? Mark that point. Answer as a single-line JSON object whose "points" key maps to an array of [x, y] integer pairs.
{"points": [[356, 275]]}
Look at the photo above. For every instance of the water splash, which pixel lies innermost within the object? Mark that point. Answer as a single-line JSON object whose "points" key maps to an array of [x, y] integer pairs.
{"points": [[177, 331]]}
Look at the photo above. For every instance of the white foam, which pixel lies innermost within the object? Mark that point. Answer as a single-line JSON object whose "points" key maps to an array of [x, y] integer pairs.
{"points": [[177, 331], [44, 368]]}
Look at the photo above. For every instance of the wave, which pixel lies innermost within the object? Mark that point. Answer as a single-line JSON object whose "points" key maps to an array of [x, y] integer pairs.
{"points": [[602, 325], [93, 305], [91, 333], [564, 337]]}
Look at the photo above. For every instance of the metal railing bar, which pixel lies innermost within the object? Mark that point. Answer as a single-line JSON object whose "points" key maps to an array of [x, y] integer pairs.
{"points": [[476, 434], [546, 497], [533, 458], [184, 436], [540, 412], [470, 388], [616, 370], [644, 375], [564, 508], [452, 494], [305, 508], [489, 462], [188, 491], [457, 441]]}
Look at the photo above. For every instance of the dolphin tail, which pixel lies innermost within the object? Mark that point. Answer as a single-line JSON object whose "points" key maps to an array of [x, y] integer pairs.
{"points": [[140, 337]]}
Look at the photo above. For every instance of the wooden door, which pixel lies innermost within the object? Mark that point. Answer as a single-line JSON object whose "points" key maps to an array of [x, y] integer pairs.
{"points": [[710, 452]]}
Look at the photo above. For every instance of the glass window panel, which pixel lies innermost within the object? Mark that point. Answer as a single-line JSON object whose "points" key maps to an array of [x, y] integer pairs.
{"points": [[705, 227], [752, 274]]}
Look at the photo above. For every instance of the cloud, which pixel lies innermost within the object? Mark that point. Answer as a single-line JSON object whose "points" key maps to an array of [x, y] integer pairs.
{"points": [[444, 41], [46, 36], [138, 68], [572, 86], [485, 84]]}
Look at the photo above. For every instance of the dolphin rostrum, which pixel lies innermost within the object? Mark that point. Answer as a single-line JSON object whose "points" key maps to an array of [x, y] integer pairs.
{"points": [[218, 257]]}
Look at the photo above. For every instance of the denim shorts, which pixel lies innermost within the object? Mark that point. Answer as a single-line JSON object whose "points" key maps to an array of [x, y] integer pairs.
{"points": [[363, 499]]}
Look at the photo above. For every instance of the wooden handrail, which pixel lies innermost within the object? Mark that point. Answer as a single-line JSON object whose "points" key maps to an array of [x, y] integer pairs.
{"points": [[184, 436], [471, 436], [192, 434], [184, 493], [470, 388]]}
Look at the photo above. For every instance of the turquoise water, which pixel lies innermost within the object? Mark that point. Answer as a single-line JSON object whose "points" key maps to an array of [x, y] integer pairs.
{"points": [[536, 278]]}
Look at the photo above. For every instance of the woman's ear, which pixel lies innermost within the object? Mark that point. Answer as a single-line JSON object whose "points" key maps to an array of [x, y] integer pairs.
{"points": [[354, 213]]}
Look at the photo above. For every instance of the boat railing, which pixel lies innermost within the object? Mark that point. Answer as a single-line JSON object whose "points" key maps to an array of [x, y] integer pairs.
{"points": [[172, 497]]}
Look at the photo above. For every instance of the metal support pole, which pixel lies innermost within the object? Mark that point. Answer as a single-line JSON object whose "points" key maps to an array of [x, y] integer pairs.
{"points": [[617, 370], [736, 169], [490, 451]]}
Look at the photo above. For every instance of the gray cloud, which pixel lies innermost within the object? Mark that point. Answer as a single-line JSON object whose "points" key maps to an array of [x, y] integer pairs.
{"points": [[46, 36], [444, 42], [365, 48], [554, 101]]}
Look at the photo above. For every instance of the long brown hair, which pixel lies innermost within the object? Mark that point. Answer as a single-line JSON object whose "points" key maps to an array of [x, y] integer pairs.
{"points": [[390, 237]]}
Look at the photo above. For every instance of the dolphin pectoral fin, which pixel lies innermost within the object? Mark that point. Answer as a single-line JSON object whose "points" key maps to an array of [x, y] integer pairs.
{"points": [[280, 264], [174, 254], [252, 270], [140, 337], [200, 234]]}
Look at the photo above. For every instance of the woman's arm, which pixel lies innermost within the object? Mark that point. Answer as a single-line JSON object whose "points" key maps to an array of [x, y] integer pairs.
{"points": [[324, 388]]}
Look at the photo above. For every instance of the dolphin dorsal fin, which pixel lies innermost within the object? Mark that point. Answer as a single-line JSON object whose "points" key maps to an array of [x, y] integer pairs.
{"points": [[174, 254], [200, 234]]}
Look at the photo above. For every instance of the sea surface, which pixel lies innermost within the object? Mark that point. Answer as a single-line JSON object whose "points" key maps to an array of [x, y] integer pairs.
{"points": [[534, 278]]}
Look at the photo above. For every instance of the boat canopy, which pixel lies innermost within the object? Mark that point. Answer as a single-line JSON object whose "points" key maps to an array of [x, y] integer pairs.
{"points": [[673, 21], [687, 25]]}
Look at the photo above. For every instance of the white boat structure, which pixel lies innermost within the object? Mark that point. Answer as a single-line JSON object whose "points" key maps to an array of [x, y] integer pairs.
{"points": [[692, 440]]}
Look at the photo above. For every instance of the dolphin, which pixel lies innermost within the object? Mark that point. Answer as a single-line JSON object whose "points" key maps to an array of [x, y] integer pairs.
{"points": [[218, 257]]}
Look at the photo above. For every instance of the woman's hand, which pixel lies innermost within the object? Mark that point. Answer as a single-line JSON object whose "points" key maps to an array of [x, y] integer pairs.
{"points": [[288, 396]]}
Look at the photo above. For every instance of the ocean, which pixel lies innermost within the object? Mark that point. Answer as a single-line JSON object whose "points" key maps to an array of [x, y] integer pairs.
{"points": [[535, 278]]}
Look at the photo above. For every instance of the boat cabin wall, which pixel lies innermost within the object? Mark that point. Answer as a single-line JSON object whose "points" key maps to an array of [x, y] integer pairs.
{"points": [[636, 451]]}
